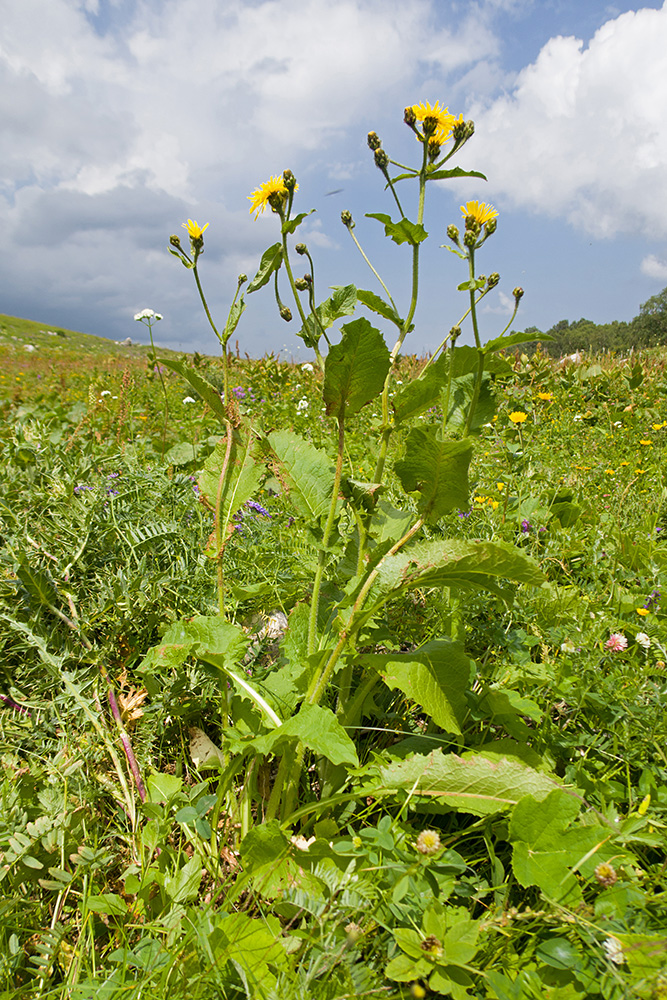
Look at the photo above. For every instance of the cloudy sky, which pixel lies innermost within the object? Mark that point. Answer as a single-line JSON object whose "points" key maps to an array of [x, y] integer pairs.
{"points": [[120, 119]]}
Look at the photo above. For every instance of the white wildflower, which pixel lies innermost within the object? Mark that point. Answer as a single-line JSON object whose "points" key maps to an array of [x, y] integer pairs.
{"points": [[147, 314], [643, 639], [568, 646], [105, 392], [614, 950], [302, 404], [307, 367], [188, 399]]}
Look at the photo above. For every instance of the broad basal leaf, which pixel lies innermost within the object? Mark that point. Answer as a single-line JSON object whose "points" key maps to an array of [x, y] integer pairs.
{"points": [[436, 676], [306, 473], [472, 784], [355, 369], [437, 469]]}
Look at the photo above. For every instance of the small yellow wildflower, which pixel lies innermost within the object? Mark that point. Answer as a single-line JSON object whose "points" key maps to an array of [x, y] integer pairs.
{"points": [[640, 471], [517, 417], [624, 463], [481, 499], [195, 231], [642, 809], [444, 119], [610, 472], [260, 197], [546, 395], [646, 444], [500, 487], [494, 503], [658, 427], [479, 210], [642, 611]]}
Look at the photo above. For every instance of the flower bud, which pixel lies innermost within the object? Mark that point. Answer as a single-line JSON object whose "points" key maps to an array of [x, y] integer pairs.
{"points": [[374, 141], [460, 130], [454, 334], [453, 234], [286, 314], [242, 278], [482, 277], [490, 227], [289, 180], [493, 279], [300, 284], [470, 129], [381, 159], [175, 241], [430, 125], [470, 238], [301, 249], [409, 117], [518, 294], [433, 150], [346, 219]]}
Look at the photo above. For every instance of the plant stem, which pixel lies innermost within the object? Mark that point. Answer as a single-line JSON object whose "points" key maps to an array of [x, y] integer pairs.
{"points": [[328, 528]]}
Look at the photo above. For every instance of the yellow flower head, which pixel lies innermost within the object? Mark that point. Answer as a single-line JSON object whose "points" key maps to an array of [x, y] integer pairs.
{"points": [[260, 197], [444, 119], [195, 231], [518, 417], [642, 611], [479, 210], [546, 395], [646, 444]]}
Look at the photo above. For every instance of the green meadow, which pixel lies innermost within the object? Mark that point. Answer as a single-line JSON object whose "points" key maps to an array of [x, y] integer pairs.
{"points": [[504, 789], [339, 679]]}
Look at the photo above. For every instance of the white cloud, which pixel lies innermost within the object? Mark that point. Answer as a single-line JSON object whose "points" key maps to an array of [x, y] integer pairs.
{"points": [[582, 132], [653, 267]]}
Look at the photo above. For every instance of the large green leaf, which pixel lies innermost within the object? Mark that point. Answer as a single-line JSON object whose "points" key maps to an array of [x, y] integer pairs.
{"points": [[199, 635], [39, 584], [355, 369], [436, 676], [318, 729], [437, 469], [512, 339], [470, 784], [306, 473], [457, 403], [453, 563], [549, 846], [230, 477]]}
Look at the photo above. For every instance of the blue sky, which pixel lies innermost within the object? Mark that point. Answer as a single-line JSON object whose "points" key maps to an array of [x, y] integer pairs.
{"points": [[122, 118]]}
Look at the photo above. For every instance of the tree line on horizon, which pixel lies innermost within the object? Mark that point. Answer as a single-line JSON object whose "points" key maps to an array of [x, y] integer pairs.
{"points": [[647, 329]]}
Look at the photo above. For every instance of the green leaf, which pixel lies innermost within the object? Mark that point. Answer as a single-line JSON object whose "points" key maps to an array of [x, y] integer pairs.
{"points": [[400, 232], [163, 787], [379, 306], [318, 729], [441, 175], [437, 469], [227, 481], [290, 227], [355, 369], [181, 453], [559, 953], [305, 473], [200, 635], [422, 393], [341, 303], [471, 285], [548, 847], [453, 563], [270, 262], [644, 953], [208, 392], [184, 885], [436, 676], [39, 584], [236, 311], [512, 339], [460, 399], [107, 902], [472, 784], [264, 844]]}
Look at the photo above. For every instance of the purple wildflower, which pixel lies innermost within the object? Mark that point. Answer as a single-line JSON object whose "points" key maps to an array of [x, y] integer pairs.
{"points": [[257, 507], [526, 526], [239, 392]]}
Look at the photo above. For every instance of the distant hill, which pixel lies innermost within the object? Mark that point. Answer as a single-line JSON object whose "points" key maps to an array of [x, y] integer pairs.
{"points": [[26, 333]]}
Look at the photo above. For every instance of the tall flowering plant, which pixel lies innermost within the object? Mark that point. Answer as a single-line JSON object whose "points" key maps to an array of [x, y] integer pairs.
{"points": [[369, 552]]}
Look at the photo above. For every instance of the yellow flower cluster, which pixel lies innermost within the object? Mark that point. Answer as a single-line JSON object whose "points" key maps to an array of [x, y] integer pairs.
{"points": [[260, 197], [445, 121]]}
